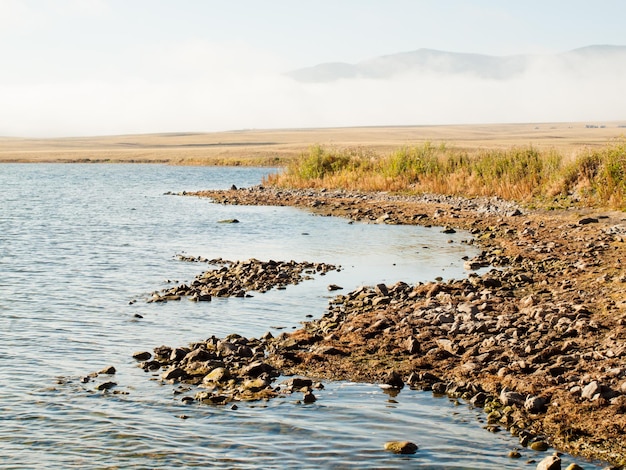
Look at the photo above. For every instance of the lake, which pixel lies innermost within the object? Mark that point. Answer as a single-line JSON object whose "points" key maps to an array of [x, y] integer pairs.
{"points": [[82, 246]]}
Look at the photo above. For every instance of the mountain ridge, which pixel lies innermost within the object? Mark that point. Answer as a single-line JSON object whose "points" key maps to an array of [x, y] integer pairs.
{"points": [[439, 62]]}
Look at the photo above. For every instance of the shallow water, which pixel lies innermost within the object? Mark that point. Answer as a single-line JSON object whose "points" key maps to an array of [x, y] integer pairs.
{"points": [[79, 243]]}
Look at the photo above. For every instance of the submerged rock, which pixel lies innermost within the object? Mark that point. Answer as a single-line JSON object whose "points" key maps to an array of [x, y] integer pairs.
{"points": [[401, 447]]}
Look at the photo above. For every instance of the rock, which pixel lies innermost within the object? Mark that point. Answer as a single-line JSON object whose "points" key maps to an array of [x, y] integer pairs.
{"points": [[401, 447], [590, 390], [574, 466], [588, 220], [173, 373], [514, 454], [257, 368], [539, 446], [333, 287], [110, 370], [509, 397], [298, 383], [552, 462], [228, 221], [309, 397], [219, 374], [412, 345], [535, 405], [479, 399], [142, 356], [394, 380], [106, 386]]}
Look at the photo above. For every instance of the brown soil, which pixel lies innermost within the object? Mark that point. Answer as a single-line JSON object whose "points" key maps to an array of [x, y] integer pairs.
{"points": [[550, 322]]}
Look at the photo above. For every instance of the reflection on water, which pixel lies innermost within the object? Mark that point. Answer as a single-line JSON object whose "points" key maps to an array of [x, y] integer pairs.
{"points": [[79, 243]]}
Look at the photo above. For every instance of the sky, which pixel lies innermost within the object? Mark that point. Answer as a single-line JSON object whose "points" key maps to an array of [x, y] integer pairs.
{"points": [[102, 67]]}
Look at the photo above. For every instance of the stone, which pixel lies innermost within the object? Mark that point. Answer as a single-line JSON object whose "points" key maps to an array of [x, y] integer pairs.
{"points": [[106, 386], [173, 373], [142, 356], [228, 221], [509, 397], [574, 466], [412, 345], [309, 397], [333, 287], [535, 405], [479, 399], [539, 446], [590, 390], [219, 374], [394, 380], [110, 370], [552, 462], [401, 447]]}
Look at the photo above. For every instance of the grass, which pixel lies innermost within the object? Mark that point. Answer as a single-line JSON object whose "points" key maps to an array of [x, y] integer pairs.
{"points": [[592, 177]]}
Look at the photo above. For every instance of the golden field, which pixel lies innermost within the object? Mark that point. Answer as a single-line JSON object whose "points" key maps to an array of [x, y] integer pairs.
{"points": [[276, 147]]}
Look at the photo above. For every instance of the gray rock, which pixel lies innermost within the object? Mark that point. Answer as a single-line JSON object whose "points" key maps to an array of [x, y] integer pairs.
{"points": [[590, 390], [535, 405], [509, 397]]}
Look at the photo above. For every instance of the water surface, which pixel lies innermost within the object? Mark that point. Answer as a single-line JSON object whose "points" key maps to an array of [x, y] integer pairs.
{"points": [[83, 246]]}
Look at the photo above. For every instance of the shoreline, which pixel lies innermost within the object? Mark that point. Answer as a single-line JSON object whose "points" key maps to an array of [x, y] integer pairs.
{"points": [[538, 342]]}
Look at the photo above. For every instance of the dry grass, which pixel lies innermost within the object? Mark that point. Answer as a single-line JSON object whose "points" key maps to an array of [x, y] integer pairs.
{"points": [[592, 177], [276, 147]]}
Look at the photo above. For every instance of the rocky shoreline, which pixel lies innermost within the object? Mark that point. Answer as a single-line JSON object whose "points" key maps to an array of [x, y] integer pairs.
{"points": [[538, 342]]}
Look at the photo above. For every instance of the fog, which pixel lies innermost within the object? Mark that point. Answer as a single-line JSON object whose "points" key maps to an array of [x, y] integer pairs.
{"points": [[225, 87]]}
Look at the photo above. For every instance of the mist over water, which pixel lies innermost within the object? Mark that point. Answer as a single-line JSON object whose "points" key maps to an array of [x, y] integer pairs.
{"points": [[215, 87]]}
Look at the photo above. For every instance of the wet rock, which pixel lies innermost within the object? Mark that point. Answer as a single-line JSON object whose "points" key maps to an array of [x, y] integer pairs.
{"points": [[573, 466], [394, 380], [309, 397], [142, 356], [235, 279], [219, 374], [539, 446], [173, 374], [110, 370], [401, 447], [228, 221], [106, 386], [257, 368], [552, 462]]}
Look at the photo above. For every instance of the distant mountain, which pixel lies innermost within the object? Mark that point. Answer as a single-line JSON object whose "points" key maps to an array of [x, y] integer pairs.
{"points": [[429, 61]]}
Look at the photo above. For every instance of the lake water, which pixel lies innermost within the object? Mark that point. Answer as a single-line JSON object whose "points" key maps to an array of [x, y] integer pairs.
{"points": [[80, 243]]}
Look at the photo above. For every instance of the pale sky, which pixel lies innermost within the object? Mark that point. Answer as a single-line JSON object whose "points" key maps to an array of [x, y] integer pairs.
{"points": [[94, 67]]}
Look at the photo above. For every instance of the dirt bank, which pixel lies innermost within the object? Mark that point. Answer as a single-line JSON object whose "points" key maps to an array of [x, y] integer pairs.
{"points": [[540, 340]]}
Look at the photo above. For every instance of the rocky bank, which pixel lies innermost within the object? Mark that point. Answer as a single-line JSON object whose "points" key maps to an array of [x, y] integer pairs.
{"points": [[537, 341]]}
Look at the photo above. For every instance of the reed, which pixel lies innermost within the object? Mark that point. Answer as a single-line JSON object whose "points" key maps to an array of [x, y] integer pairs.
{"points": [[593, 177]]}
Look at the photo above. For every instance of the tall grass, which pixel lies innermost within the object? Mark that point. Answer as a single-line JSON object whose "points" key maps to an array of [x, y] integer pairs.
{"points": [[593, 177]]}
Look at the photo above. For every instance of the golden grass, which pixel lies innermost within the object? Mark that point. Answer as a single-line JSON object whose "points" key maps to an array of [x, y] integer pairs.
{"points": [[592, 177], [277, 147]]}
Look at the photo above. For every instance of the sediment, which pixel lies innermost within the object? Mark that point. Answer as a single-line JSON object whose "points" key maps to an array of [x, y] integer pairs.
{"points": [[538, 340]]}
